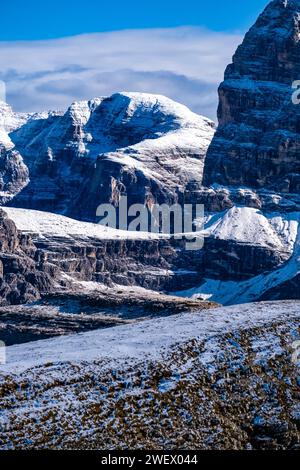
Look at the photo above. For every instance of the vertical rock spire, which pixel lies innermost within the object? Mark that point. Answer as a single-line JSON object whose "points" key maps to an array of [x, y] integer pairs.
{"points": [[258, 140]]}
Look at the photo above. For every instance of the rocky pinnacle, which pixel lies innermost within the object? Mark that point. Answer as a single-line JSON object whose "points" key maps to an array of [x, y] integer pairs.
{"points": [[258, 142]]}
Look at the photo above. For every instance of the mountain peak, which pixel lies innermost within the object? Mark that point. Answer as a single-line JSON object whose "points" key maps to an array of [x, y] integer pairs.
{"points": [[128, 143], [258, 141], [271, 49]]}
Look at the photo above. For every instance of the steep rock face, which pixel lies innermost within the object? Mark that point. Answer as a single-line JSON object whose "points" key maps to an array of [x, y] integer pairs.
{"points": [[14, 174], [144, 146], [21, 277], [258, 140], [253, 162]]}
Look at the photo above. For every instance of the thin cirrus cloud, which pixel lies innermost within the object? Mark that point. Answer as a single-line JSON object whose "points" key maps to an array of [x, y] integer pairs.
{"points": [[185, 64]]}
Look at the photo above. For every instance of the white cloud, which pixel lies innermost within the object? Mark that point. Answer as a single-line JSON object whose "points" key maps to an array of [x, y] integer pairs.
{"points": [[186, 64]]}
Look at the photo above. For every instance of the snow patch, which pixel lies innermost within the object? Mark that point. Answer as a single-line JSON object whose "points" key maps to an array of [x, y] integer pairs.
{"points": [[251, 226]]}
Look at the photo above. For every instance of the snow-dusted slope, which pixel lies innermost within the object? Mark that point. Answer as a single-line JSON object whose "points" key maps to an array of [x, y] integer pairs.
{"points": [[165, 130], [148, 340], [220, 379], [231, 292], [252, 226], [106, 124]]}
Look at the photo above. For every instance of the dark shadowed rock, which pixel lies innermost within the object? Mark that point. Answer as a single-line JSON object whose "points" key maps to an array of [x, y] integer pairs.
{"points": [[13, 173]]}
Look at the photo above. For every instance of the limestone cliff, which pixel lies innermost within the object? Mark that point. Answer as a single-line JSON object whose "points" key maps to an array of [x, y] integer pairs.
{"points": [[258, 140]]}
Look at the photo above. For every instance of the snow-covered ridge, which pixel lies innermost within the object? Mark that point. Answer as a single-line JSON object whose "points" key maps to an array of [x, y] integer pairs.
{"points": [[239, 224], [148, 340], [250, 225], [10, 121], [99, 122], [149, 145], [41, 224]]}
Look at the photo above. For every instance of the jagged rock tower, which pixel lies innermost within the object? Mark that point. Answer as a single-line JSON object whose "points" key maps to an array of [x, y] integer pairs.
{"points": [[258, 140]]}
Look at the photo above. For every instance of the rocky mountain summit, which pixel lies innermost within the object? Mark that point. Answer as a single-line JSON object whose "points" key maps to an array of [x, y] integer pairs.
{"points": [[258, 141], [144, 146]]}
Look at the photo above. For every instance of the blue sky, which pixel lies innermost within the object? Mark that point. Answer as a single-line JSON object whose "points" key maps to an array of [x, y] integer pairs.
{"points": [[55, 52], [36, 19]]}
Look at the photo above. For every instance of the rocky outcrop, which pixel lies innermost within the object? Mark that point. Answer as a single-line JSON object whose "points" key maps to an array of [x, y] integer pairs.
{"points": [[158, 264], [14, 175], [258, 139], [21, 277], [87, 307]]}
